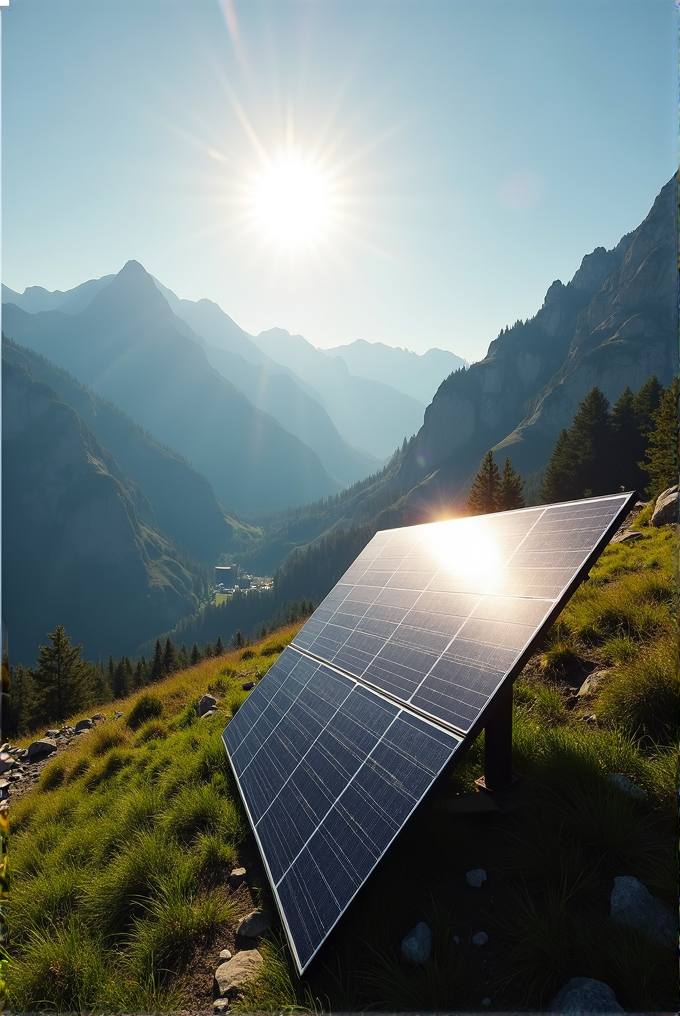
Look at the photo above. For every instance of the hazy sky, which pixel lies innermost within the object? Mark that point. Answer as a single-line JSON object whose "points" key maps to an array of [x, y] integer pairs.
{"points": [[472, 151]]}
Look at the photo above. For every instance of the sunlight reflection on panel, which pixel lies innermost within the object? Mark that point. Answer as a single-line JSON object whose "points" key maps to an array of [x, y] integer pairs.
{"points": [[466, 552]]}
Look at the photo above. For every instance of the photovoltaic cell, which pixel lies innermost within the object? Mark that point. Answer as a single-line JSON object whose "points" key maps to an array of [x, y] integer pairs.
{"points": [[350, 728]]}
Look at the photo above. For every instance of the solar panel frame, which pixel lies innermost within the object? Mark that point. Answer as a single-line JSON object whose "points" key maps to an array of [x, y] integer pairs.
{"points": [[464, 737]]}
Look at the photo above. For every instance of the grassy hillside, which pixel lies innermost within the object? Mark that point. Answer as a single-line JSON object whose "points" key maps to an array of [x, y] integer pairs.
{"points": [[121, 855]]}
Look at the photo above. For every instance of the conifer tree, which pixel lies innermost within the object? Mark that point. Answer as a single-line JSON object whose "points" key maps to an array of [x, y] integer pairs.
{"points": [[661, 463], [510, 489], [170, 662], [646, 403], [62, 680], [630, 443], [238, 640], [582, 461], [123, 677], [183, 657], [208, 650], [157, 662], [484, 489], [141, 673], [195, 654], [219, 646]]}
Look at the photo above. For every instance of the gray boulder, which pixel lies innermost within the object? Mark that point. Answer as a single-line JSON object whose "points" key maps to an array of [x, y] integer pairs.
{"points": [[627, 786], [6, 764], [256, 923], [233, 976], [632, 904], [592, 683], [476, 877], [480, 939], [666, 507], [417, 945], [205, 703], [52, 733], [85, 724], [584, 995], [42, 747]]}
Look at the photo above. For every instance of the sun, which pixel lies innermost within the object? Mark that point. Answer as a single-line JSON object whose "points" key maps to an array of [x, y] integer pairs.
{"points": [[292, 201]]}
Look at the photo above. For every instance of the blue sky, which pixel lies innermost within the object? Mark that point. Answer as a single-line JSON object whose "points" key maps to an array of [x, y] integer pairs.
{"points": [[475, 151]]}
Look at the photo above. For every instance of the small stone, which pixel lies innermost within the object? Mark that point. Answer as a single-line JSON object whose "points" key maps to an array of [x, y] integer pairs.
{"points": [[52, 733], [626, 537], [456, 939], [583, 995], [45, 746], [476, 877], [221, 1005], [236, 973], [480, 939], [117, 716], [98, 717], [627, 786], [237, 876], [486, 1001], [417, 945], [205, 703], [85, 724], [207, 716], [6, 747], [592, 683], [256, 923], [225, 955], [247, 685]]}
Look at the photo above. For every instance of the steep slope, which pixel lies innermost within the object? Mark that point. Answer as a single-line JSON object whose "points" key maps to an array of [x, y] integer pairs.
{"points": [[79, 545], [272, 387], [368, 414], [183, 503], [416, 374], [129, 347]]}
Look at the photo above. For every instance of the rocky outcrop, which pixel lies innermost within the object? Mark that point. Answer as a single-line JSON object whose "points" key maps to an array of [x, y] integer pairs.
{"points": [[666, 508]]}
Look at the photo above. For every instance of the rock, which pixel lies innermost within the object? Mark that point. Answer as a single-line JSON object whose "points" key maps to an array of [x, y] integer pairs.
{"points": [[85, 724], [256, 923], [247, 685], [45, 746], [221, 1005], [205, 703], [6, 747], [456, 939], [666, 508], [52, 733], [627, 786], [232, 976], [633, 904], [6, 764], [476, 877], [417, 945], [628, 536], [592, 683], [237, 876], [207, 716], [99, 717], [480, 939], [117, 716], [225, 955], [486, 1001], [583, 995]]}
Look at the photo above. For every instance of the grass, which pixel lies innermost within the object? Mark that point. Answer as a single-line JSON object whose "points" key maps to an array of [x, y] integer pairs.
{"points": [[122, 854]]}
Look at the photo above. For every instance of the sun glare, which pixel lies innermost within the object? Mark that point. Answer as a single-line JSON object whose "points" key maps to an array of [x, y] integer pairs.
{"points": [[465, 551], [292, 201]]}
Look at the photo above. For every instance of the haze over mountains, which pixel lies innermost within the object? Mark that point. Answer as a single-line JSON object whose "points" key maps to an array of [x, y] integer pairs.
{"points": [[269, 422]]}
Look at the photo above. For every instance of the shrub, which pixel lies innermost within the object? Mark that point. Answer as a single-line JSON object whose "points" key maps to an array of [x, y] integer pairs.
{"points": [[559, 658], [641, 696], [152, 730], [272, 650], [106, 738], [234, 700], [248, 655], [53, 775], [147, 707]]}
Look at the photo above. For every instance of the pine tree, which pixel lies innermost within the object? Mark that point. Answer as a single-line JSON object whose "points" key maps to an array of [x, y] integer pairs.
{"points": [[238, 640], [157, 663], [141, 673], [484, 491], [510, 489], [195, 654], [582, 461], [630, 443], [170, 661], [661, 464], [183, 657], [123, 677], [219, 646], [63, 681], [646, 403]]}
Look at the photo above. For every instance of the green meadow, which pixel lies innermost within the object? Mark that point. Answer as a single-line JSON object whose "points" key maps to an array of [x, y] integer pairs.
{"points": [[120, 857]]}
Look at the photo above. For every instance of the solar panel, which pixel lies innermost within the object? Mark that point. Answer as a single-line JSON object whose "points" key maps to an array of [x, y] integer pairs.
{"points": [[349, 730]]}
